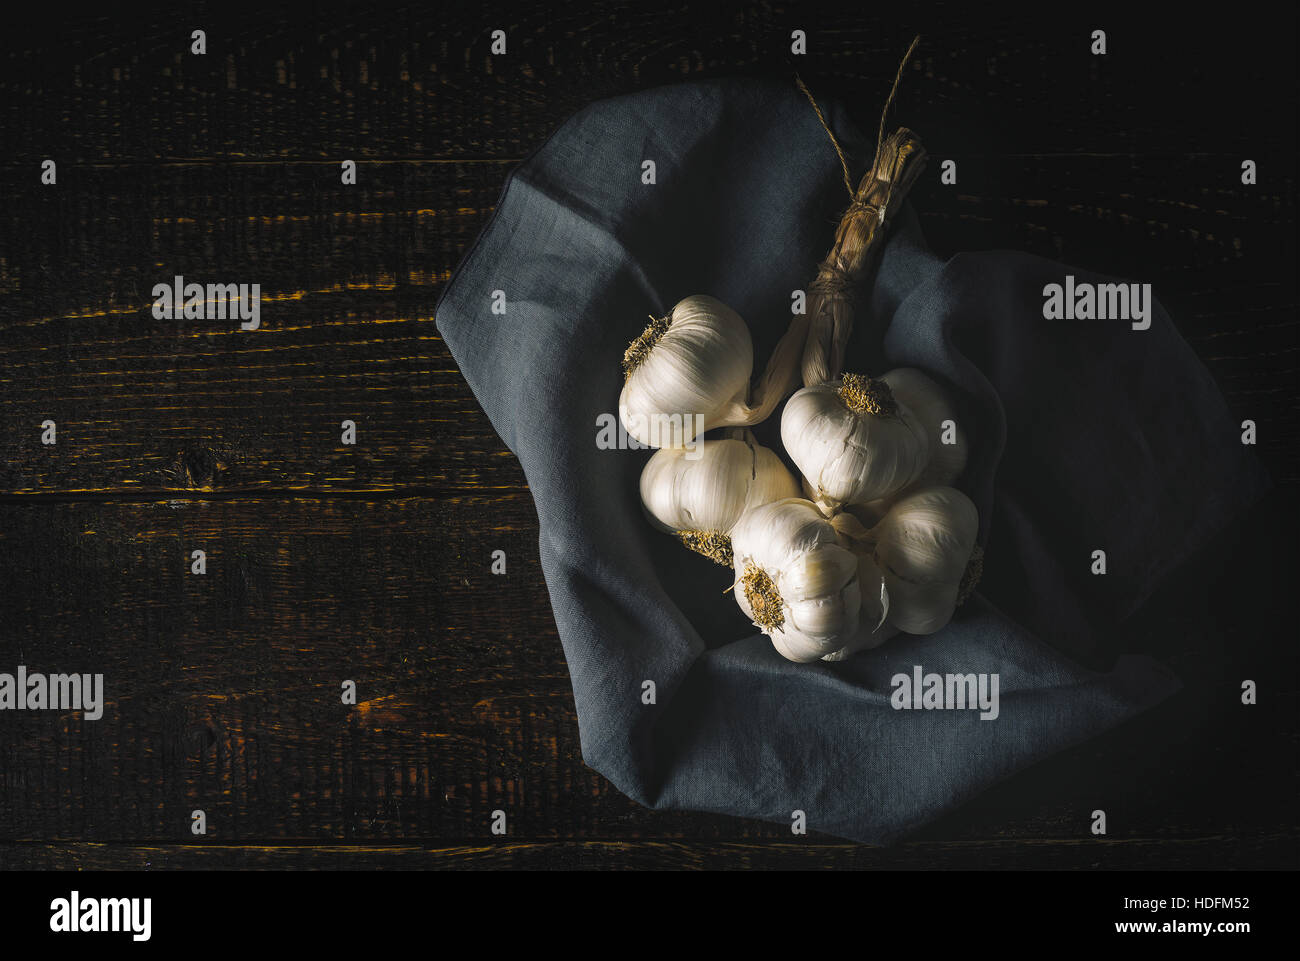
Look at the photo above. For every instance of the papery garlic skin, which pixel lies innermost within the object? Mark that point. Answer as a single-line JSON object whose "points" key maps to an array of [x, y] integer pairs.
{"points": [[807, 598], [710, 491], [930, 404], [922, 546], [687, 377], [850, 447]]}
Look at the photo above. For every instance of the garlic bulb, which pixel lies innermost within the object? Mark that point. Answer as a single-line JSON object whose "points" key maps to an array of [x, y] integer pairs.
{"points": [[689, 372], [923, 547], [930, 405], [700, 498], [795, 580], [853, 441]]}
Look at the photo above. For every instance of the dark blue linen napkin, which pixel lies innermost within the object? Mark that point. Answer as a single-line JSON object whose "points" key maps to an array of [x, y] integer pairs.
{"points": [[1087, 435]]}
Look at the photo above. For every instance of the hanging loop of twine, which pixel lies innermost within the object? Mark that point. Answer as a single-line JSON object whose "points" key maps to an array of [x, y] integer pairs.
{"points": [[848, 268], [854, 203], [821, 117]]}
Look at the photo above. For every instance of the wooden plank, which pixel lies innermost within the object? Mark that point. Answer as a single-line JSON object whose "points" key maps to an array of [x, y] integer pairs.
{"points": [[1225, 853], [223, 688], [347, 334], [351, 274], [398, 81], [349, 282]]}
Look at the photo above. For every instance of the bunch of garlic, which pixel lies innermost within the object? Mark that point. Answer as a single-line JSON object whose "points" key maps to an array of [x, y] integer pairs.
{"points": [[699, 495], [689, 372], [807, 572]]}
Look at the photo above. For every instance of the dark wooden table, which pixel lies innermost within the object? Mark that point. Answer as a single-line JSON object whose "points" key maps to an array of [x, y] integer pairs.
{"points": [[371, 562]]}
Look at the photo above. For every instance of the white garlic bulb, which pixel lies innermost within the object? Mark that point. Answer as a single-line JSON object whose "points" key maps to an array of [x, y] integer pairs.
{"points": [[795, 580], [853, 441], [923, 547], [690, 372], [930, 405], [700, 495]]}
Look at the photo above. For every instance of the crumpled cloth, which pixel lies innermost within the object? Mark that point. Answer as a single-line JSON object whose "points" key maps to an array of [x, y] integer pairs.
{"points": [[1087, 435]]}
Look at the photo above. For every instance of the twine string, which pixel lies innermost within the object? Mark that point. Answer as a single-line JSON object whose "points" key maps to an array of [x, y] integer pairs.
{"points": [[880, 137], [844, 164], [855, 204], [832, 280]]}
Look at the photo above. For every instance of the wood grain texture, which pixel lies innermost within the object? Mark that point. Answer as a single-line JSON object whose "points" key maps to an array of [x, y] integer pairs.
{"points": [[372, 562], [223, 689], [1078, 855]]}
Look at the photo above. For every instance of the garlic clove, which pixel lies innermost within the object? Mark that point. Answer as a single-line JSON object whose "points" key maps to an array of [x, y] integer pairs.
{"points": [[864, 640], [853, 441], [778, 533], [922, 608], [816, 574], [927, 536], [801, 648], [872, 627], [817, 626]]}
